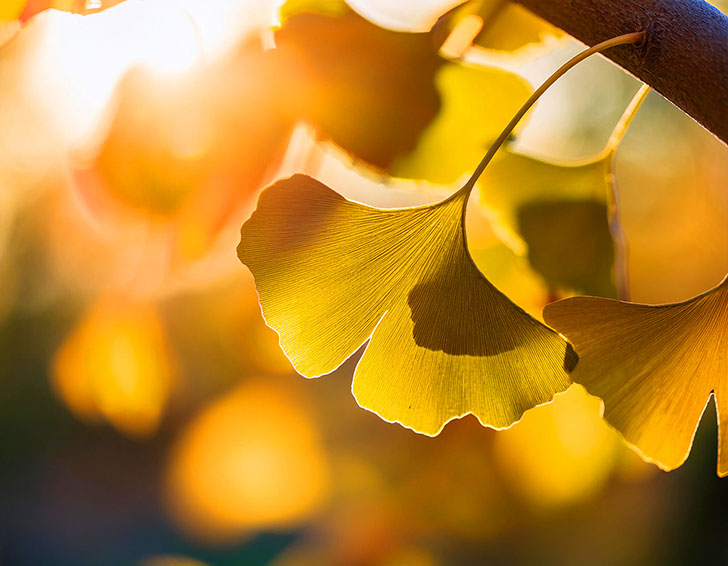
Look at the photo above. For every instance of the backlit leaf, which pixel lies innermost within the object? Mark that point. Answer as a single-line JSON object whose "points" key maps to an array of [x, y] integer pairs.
{"points": [[477, 103], [291, 8], [510, 26], [404, 15], [193, 171], [654, 366], [443, 342], [354, 80], [557, 214]]}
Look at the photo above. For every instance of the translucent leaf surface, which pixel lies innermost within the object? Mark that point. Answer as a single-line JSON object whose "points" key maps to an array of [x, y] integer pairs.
{"points": [[443, 342], [557, 215], [510, 26], [654, 366], [354, 80], [404, 15], [477, 103]]}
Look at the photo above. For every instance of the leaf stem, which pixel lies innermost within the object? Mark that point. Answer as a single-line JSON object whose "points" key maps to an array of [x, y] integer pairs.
{"points": [[614, 214], [626, 39], [625, 120]]}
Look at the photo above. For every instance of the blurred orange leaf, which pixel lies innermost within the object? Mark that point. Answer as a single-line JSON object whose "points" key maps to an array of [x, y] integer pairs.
{"points": [[11, 9], [193, 169], [347, 76]]}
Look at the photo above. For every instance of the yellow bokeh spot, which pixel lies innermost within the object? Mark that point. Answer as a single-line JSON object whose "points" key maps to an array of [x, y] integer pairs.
{"points": [[559, 453], [115, 366], [251, 460]]}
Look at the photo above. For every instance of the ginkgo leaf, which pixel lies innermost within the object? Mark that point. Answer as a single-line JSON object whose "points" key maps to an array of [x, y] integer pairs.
{"points": [[569, 244], [404, 15], [507, 26], [443, 342], [654, 366], [193, 172], [514, 27], [476, 103], [291, 8], [347, 76], [558, 216]]}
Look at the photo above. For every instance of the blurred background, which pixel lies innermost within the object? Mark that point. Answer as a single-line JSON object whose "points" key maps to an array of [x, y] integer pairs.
{"points": [[147, 415]]}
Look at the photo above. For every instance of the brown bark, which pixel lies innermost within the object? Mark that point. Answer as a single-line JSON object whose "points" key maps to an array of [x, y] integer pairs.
{"points": [[685, 57]]}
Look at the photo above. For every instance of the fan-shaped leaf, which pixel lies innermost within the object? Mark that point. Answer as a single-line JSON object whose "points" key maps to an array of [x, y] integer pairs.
{"points": [[353, 80], [507, 26], [476, 103], [654, 366], [332, 274], [558, 215], [405, 15]]}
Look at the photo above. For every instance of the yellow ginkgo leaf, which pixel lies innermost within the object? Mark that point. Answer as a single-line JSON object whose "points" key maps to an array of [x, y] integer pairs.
{"points": [[443, 342], [511, 27], [506, 26], [654, 366], [291, 8], [476, 103], [558, 216], [403, 15], [537, 181]]}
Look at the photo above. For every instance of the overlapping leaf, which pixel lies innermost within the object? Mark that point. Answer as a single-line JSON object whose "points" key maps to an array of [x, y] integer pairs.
{"points": [[443, 342], [507, 26], [558, 215], [407, 16], [654, 366], [555, 213], [353, 80], [476, 103]]}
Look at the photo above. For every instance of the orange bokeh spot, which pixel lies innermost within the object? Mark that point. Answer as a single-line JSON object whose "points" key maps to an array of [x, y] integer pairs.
{"points": [[251, 460], [115, 366]]}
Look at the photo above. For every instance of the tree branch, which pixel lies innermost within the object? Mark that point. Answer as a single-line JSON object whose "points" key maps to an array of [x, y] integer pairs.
{"points": [[685, 57]]}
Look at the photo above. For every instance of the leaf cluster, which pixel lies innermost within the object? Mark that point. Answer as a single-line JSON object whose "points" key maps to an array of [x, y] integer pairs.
{"points": [[442, 340]]}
